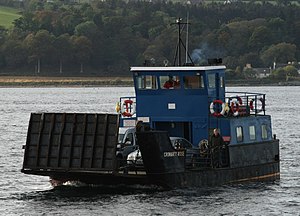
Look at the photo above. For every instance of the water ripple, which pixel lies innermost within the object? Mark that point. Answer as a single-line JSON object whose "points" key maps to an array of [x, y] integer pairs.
{"points": [[32, 195]]}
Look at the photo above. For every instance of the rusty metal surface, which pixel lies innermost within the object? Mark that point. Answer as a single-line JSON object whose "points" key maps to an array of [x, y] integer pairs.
{"points": [[71, 141]]}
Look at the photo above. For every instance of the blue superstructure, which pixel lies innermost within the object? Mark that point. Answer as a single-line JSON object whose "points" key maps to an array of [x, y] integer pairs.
{"points": [[195, 104]]}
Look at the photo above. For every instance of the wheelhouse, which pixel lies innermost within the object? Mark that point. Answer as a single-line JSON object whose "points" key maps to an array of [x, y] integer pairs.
{"points": [[190, 102]]}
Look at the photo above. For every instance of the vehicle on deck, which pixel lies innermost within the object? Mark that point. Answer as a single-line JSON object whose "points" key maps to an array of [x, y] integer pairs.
{"points": [[178, 143], [135, 158], [126, 142]]}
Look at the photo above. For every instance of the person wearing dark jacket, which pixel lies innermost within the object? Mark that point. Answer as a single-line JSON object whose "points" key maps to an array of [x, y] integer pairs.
{"points": [[216, 143]]}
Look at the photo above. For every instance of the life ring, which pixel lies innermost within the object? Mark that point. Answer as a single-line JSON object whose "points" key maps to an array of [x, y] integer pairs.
{"points": [[251, 104], [204, 147], [212, 110], [239, 100], [235, 106], [263, 104], [128, 108]]}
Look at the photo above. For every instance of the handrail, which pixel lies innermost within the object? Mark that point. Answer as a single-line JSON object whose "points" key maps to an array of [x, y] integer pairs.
{"points": [[238, 104]]}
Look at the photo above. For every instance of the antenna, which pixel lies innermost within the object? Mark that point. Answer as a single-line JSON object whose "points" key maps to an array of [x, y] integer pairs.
{"points": [[187, 38], [180, 43]]}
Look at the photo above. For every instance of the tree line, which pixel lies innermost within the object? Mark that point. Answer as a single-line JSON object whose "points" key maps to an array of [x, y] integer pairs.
{"points": [[107, 37]]}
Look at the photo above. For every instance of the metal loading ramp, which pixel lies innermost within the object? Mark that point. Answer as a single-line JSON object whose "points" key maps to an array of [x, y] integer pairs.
{"points": [[76, 142]]}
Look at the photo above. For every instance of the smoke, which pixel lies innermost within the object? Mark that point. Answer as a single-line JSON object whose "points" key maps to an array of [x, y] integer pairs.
{"points": [[197, 56], [200, 55]]}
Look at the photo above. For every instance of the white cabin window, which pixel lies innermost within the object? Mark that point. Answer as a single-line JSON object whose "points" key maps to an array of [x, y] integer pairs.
{"points": [[239, 134], [252, 133], [169, 82], [211, 80], [146, 82], [264, 131], [222, 82], [193, 82]]}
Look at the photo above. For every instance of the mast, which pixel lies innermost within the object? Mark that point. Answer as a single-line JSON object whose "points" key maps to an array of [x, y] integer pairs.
{"points": [[180, 43], [187, 38]]}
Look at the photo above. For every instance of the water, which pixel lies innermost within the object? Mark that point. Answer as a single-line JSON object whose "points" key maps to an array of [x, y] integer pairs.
{"points": [[22, 194]]}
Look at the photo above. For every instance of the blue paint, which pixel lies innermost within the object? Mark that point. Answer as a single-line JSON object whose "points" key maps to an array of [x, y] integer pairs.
{"points": [[184, 110]]}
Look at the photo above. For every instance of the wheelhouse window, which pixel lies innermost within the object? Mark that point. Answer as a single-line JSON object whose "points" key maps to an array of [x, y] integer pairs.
{"points": [[129, 139], [239, 134], [146, 82], [264, 131], [193, 82], [169, 82], [222, 82], [252, 132], [211, 80]]}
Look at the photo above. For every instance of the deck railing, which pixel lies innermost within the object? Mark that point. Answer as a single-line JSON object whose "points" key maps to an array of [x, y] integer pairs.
{"points": [[238, 104]]}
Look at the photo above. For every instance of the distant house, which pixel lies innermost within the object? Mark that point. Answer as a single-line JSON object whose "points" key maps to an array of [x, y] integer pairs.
{"points": [[259, 72], [262, 72]]}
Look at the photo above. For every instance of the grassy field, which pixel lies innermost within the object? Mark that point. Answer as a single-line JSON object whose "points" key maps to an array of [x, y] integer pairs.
{"points": [[8, 15], [35, 81]]}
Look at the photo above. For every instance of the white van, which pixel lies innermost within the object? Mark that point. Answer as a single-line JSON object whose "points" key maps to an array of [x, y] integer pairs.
{"points": [[126, 142]]}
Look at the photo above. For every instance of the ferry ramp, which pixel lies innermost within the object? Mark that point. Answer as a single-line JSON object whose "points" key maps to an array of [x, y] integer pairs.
{"points": [[71, 142]]}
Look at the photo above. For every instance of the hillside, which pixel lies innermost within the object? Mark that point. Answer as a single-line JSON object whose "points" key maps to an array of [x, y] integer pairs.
{"points": [[106, 38], [8, 15]]}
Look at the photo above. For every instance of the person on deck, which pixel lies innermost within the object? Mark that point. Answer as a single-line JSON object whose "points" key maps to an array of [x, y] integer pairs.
{"points": [[169, 83], [217, 143]]}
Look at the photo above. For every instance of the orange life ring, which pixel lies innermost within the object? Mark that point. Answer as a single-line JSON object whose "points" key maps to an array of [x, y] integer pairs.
{"points": [[251, 104], [263, 104], [235, 106], [240, 100], [128, 108]]}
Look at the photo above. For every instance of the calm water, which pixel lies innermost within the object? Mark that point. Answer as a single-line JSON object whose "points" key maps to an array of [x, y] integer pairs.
{"points": [[22, 194]]}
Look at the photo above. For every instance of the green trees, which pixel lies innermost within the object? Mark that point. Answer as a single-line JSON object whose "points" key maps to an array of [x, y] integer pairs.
{"points": [[15, 53], [63, 47], [285, 73], [260, 37], [26, 24], [282, 52], [82, 50], [109, 36], [87, 29], [40, 46]]}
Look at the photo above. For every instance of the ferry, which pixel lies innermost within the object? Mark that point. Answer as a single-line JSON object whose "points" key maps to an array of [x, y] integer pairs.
{"points": [[162, 136]]}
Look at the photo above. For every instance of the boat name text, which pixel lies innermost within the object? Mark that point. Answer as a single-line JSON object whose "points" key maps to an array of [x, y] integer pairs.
{"points": [[174, 154]]}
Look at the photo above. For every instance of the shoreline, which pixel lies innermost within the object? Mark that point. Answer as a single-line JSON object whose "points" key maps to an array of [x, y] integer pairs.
{"points": [[40, 81]]}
